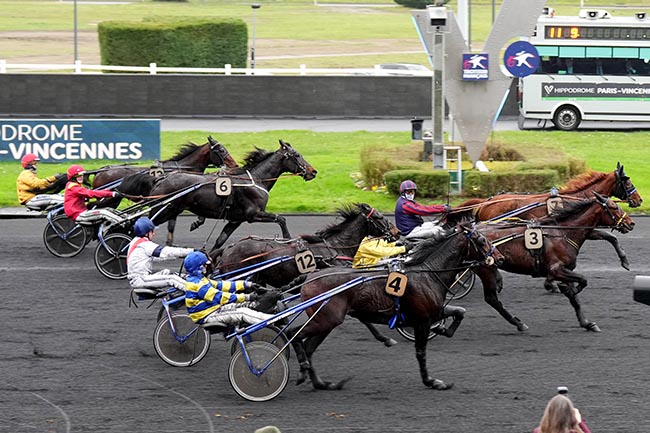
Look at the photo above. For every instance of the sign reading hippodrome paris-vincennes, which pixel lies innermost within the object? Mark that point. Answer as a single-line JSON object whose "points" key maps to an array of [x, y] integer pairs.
{"points": [[55, 140], [595, 90]]}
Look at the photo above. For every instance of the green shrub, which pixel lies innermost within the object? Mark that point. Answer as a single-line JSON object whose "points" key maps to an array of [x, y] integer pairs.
{"points": [[375, 162], [500, 152], [431, 183], [200, 43], [485, 184]]}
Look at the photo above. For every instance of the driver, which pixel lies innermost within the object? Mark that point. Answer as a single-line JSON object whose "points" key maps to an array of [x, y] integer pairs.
{"points": [[373, 251], [218, 302], [143, 252], [408, 213], [76, 196], [28, 186]]}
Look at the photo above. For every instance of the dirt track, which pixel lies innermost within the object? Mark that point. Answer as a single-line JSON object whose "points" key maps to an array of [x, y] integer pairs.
{"points": [[74, 357]]}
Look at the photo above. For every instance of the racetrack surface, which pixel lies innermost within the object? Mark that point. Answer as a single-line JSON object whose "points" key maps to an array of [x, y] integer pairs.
{"points": [[74, 357]]}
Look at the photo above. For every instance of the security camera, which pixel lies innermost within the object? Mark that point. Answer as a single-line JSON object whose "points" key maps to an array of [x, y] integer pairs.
{"points": [[437, 15]]}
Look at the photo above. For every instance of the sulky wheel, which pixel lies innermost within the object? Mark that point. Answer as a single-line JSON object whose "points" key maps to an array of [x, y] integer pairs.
{"points": [[110, 256], [270, 334], [182, 346], [408, 333], [269, 383], [462, 287], [63, 237]]}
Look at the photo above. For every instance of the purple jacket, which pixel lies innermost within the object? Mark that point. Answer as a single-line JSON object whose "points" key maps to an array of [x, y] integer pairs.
{"points": [[408, 214]]}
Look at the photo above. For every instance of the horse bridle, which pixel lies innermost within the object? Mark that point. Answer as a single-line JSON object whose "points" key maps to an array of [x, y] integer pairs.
{"points": [[470, 234], [618, 221], [621, 191], [384, 229], [292, 154]]}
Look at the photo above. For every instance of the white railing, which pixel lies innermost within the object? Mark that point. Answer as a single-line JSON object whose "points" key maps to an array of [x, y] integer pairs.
{"points": [[79, 68]]}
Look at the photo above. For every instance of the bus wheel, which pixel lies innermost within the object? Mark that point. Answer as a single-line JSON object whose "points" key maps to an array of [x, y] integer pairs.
{"points": [[567, 118]]}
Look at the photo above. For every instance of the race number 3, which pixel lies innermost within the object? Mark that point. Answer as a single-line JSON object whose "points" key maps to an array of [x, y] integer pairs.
{"points": [[396, 284], [223, 186], [553, 204], [305, 262], [533, 238]]}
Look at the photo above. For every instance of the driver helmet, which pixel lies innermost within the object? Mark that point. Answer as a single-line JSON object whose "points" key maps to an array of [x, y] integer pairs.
{"points": [[407, 185], [194, 262], [75, 170], [143, 226], [29, 159]]}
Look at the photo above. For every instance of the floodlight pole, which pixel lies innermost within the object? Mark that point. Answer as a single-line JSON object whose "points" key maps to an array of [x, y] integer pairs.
{"points": [[254, 7], [76, 57]]}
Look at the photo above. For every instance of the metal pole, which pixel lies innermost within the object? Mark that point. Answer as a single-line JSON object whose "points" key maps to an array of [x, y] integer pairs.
{"points": [[438, 98], [255, 7], [76, 57]]}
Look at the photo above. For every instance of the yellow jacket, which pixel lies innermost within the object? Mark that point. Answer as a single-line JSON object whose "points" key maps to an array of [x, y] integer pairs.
{"points": [[28, 185], [371, 251]]}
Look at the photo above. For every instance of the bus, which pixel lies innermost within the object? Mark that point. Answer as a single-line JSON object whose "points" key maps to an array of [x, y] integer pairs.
{"points": [[592, 67]]}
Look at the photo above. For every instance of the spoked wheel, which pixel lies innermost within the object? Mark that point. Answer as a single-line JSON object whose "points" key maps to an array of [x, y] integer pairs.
{"points": [[63, 237], [270, 334], [111, 258], [462, 287], [268, 384], [186, 347], [408, 333]]}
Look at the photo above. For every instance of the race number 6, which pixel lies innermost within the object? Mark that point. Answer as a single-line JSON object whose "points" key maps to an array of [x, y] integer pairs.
{"points": [[223, 186]]}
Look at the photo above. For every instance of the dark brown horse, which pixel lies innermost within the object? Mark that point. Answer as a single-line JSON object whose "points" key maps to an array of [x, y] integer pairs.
{"points": [[422, 281], [335, 245], [549, 248], [614, 184], [238, 196], [193, 158]]}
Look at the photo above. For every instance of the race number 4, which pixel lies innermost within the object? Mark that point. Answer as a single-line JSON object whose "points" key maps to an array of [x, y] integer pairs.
{"points": [[305, 262], [396, 284], [533, 238], [223, 186]]}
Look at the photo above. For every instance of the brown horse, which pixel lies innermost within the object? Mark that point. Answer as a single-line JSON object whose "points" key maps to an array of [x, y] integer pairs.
{"points": [[549, 248], [422, 281], [614, 184]]}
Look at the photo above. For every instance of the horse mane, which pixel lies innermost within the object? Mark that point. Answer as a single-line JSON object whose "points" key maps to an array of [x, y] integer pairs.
{"points": [[582, 181], [423, 248], [185, 150], [347, 212], [570, 209], [255, 157]]}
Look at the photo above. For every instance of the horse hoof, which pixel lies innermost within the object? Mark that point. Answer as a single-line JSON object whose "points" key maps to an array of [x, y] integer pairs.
{"points": [[592, 327], [389, 342], [440, 385], [625, 264], [522, 327]]}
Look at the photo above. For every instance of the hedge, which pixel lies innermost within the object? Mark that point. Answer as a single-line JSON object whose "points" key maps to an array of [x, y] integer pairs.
{"points": [[182, 42], [486, 184], [430, 183]]}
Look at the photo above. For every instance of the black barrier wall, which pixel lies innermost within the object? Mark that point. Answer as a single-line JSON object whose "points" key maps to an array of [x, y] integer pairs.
{"points": [[140, 95]]}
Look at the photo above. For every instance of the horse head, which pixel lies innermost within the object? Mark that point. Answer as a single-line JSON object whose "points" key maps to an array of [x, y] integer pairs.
{"points": [[625, 189], [480, 247], [378, 224], [219, 155], [613, 216], [295, 163]]}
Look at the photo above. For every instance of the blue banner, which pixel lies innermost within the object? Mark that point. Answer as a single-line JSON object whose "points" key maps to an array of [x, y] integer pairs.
{"points": [[75, 140]]}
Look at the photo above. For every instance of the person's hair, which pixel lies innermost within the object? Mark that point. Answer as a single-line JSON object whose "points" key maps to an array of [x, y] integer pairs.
{"points": [[559, 417]]}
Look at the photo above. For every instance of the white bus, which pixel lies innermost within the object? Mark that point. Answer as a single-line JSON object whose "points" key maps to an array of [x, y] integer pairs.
{"points": [[593, 67]]}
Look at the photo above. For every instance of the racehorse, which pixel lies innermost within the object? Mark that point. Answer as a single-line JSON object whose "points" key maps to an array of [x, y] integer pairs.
{"points": [[138, 181], [549, 247], [334, 245], [614, 184], [236, 196], [424, 279]]}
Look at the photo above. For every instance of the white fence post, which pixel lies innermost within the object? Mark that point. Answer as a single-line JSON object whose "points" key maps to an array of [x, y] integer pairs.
{"points": [[3, 66], [152, 68], [303, 69], [77, 66], [228, 68]]}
